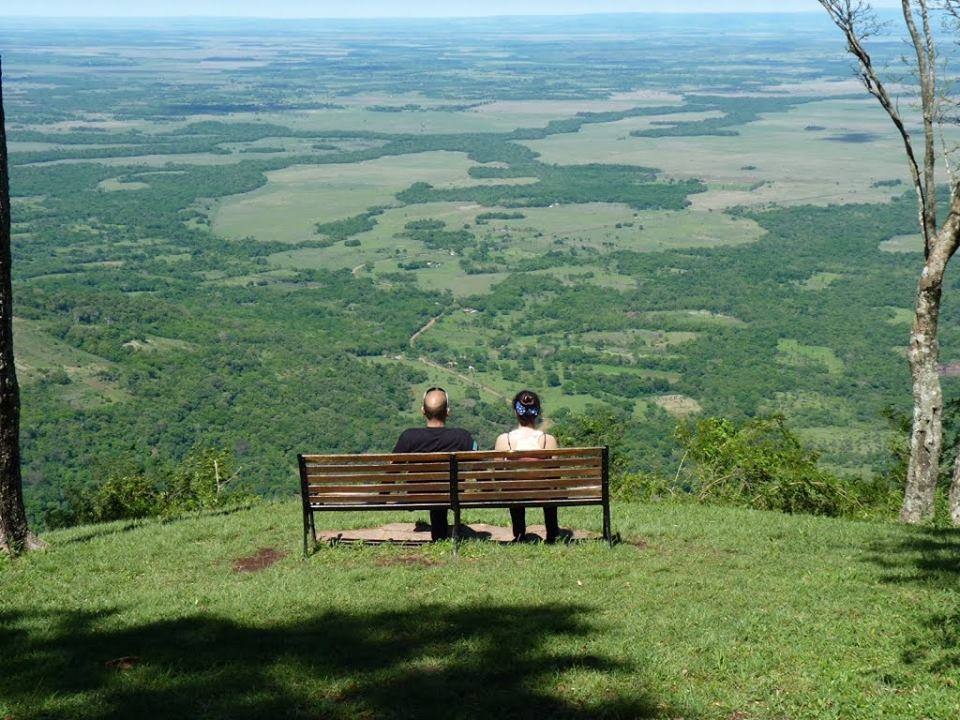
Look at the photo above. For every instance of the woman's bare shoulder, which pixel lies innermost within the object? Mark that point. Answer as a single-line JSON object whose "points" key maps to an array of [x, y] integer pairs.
{"points": [[549, 442], [501, 443]]}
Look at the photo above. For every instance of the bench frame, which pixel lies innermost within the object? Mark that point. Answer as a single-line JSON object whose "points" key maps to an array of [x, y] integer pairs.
{"points": [[451, 477]]}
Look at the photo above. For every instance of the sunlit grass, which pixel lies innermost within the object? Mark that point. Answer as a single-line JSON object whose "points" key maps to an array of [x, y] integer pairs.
{"points": [[701, 613]]}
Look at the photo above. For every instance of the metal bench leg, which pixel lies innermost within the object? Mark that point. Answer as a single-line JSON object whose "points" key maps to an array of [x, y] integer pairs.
{"points": [[607, 532], [456, 530], [605, 494], [305, 534], [455, 501]]}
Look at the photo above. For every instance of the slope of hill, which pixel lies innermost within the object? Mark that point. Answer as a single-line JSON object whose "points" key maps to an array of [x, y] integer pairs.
{"points": [[702, 613]]}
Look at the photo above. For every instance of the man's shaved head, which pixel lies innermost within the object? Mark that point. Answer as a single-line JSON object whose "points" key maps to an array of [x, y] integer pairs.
{"points": [[435, 404]]}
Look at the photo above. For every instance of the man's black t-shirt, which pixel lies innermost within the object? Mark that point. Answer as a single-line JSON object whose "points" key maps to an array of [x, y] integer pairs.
{"points": [[427, 439]]}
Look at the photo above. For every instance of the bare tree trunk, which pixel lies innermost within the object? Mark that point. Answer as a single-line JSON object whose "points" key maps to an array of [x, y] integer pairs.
{"points": [[13, 518], [926, 438], [955, 493], [856, 19]]}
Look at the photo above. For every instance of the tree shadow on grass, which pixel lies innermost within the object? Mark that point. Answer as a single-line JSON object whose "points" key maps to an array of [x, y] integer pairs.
{"points": [[514, 661], [929, 558], [926, 556]]}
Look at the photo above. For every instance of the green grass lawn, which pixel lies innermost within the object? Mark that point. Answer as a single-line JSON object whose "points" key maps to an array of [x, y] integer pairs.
{"points": [[702, 613]]}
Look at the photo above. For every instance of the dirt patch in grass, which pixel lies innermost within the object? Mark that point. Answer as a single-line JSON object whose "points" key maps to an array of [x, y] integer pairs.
{"points": [[123, 663], [407, 561], [260, 560]]}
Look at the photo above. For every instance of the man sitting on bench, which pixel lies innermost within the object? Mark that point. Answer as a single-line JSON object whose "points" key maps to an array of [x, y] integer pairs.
{"points": [[435, 437]]}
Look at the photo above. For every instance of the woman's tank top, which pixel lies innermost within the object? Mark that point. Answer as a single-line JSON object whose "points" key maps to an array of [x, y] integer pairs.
{"points": [[526, 442]]}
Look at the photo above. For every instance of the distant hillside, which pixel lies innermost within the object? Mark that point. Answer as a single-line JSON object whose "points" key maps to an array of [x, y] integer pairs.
{"points": [[702, 613]]}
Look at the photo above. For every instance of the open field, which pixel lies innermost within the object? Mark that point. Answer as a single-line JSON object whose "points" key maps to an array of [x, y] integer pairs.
{"points": [[857, 440], [460, 334], [903, 244], [791, 352], [355, 113], [115, 184], [796, 165], [600, 226], [85, 380], [463, 382], [821, 280], [704, 613], [154, 161], [901, 316], [298, 197], [381, 245], [596, 225]]}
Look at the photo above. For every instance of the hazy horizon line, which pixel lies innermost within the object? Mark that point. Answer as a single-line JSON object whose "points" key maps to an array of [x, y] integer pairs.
{"points": [[416, 17]]}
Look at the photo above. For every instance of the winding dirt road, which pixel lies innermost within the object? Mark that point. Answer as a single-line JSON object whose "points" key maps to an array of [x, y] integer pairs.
{"points": [[421, 331], [461, 376]]}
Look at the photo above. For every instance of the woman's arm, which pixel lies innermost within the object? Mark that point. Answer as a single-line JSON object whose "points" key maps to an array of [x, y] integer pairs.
{"points": [[502, 443], [550, 443]]}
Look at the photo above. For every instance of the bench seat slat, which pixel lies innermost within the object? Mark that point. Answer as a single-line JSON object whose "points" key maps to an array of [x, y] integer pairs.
{"points": [[541, 483], [531, 503], [472, 455], [521, 473], [370, 507], [469, 486], [378, 488], [379, 499], [375, 457], [533, 495], [498, 463], [463, 456], [479, 471], [378, 478], [395, 467]]}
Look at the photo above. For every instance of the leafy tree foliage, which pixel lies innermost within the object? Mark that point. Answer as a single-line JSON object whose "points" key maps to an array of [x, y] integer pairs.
{"points": [[761, 464]]}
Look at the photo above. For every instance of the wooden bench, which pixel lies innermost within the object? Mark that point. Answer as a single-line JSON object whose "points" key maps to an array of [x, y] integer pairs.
{"points": [[454, 481]]}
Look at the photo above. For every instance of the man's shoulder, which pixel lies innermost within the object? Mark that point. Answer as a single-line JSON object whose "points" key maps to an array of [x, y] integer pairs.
{"points": [[464, 437], [407, 438]]}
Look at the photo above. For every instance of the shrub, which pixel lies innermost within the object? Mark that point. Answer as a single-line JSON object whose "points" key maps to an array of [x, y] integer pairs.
{"points": [[124, 497], [600, 426], [643, 486], [759, 463], [200, 481]]}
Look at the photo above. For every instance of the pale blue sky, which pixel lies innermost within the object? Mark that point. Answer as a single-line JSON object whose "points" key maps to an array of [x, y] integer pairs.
{"points": [[389, 8]]}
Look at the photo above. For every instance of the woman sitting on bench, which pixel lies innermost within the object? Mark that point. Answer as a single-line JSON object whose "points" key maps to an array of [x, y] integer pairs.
{"points": [[526, 436]]}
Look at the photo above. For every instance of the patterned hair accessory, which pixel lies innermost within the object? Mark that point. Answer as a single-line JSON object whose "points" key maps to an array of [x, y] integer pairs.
{"points": [[524, 410]]}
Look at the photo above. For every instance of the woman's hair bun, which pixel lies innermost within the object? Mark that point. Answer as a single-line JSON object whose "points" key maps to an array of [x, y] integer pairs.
{"points": [[526, 403]]}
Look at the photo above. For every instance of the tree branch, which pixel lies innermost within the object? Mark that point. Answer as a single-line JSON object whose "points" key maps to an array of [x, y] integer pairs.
{"points": [[856, 21], [924, 47]]}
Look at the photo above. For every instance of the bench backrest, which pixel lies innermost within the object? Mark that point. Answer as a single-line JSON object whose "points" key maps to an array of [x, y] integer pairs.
{"points": [[347, 482], [569, 476]]}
